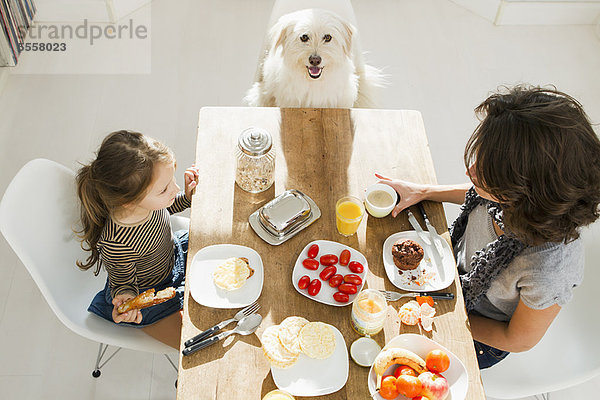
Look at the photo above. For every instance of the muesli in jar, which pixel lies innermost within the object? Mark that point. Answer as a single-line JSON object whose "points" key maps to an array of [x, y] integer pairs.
{"points": [[255, 171]]}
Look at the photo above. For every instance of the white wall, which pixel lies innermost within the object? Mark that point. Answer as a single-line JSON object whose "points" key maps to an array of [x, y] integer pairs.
{"points": [[3, 77], [535, 12], [92, 10], [119, 9], [71, 10]]}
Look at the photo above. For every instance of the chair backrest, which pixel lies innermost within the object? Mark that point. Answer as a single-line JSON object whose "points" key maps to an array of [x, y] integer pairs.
{"points": [[569, 352], [38, 215], [343, 8]]}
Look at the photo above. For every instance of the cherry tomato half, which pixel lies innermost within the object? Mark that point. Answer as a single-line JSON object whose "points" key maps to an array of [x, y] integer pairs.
{"points": [[336, 280], [356, 267], [311, 264], [341, 297], [348, 288], [345, 257], [303, 282], [313, 251], [328, 272], [314, 287], [353, 279], [329, 259]]}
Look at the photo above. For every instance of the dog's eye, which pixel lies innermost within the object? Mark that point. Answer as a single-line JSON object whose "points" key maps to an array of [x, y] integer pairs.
{"points": [[327, 38], [304, 38]]}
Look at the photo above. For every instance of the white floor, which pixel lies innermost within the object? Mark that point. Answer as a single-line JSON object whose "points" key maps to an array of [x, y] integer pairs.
{"points": [[441, 60]]}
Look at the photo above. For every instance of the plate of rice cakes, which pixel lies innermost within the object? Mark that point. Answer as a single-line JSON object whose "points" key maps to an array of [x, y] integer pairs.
{"points": [[226, 276], [307, 358]]}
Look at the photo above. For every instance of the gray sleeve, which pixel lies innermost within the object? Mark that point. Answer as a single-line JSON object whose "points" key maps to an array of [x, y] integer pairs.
{"points": [[551, 275]]}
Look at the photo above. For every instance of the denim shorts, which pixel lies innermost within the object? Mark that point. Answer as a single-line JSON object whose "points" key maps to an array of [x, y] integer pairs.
{"points": [[488, 355], [102, 303]]}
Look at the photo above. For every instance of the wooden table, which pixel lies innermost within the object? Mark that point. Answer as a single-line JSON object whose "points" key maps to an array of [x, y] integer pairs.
{"points": [[325, 153]]}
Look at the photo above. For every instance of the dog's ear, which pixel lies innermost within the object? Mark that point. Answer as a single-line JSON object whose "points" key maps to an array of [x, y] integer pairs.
{"points": [[347, 33], [279, 33]]}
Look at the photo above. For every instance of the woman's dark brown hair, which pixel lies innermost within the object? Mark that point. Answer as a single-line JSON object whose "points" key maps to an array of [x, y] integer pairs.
{"points": [[535, 151], [120, 174]]}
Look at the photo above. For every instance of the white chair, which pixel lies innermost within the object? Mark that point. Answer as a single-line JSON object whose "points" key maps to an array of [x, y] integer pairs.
{"points": [[569, 352], [38, 213], [343, 8]]}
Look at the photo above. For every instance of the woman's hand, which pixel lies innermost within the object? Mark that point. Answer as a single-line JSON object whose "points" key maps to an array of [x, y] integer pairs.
{"points": [[191, 181], [409, 193], [134, 316]]}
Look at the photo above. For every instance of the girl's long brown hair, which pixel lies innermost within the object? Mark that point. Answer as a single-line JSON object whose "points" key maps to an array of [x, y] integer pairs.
{"points": [[537, 153], [120, 174]]}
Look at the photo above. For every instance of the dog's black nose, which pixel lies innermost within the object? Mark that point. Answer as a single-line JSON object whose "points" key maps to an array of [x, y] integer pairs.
{"points": [[314, 60]]}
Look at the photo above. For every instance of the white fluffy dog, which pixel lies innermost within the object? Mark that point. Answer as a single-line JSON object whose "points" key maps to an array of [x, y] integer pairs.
{"points": [[312, 60]]}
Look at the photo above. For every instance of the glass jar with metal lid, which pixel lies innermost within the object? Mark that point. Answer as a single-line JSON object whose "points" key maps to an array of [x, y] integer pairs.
{"points": [[255, 171]]}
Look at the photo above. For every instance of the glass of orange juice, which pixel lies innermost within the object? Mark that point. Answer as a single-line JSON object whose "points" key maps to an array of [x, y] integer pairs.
{"points": [[348, 213]]}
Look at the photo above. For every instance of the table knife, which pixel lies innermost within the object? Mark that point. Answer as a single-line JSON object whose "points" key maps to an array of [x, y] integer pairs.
{"points": [[415, 224], [437, 239]]}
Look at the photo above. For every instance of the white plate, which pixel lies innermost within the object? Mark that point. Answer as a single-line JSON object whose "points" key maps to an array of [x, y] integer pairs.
{"points": [[325, 295], [313, 377], [202, 285], [439, 272], [456, 374]]}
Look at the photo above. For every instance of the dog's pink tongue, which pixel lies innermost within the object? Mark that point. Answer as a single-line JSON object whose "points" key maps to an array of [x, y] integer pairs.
{"points": [[314, 70]]}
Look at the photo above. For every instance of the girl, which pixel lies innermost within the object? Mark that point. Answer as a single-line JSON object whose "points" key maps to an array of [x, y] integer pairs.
{"points": [[127, 194], [534, 164]]}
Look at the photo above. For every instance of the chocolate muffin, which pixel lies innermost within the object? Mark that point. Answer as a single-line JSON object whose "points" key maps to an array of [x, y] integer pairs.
{"points": [[407, 254]]}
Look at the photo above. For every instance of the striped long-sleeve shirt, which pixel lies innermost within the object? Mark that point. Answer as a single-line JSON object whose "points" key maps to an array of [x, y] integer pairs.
{"points": [[138, 257]]}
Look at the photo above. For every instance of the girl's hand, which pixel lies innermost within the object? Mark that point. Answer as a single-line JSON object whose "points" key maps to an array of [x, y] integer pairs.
{"points": [[409, 193], [191, 181], [134, 316]]}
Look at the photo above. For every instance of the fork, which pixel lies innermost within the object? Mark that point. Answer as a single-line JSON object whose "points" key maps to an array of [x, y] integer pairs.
{"points": [[251, 309], [394, 296]]}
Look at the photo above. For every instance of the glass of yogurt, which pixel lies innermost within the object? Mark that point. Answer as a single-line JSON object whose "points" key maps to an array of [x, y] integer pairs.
{"points": [[380, 200], [278, 395]]}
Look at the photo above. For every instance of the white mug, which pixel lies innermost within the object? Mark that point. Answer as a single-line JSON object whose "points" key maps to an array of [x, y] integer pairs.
{"points": [[380, 211]]}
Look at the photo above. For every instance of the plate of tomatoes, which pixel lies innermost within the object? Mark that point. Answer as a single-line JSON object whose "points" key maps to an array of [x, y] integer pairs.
{"points": [[445, 376], [330, 272]]}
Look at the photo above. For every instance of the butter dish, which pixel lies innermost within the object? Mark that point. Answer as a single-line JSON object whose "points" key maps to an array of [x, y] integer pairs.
{"points": [[284, 216]]}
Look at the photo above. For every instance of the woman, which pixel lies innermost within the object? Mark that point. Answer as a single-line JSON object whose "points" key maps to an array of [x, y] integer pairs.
{"points": [[534, 166]]}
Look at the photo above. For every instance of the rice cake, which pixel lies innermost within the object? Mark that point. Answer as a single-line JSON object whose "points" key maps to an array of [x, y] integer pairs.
{"points": [[317, 340], [288, 333], [274, 351]]}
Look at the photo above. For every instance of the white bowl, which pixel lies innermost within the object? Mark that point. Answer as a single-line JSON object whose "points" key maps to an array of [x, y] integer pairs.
{"points": [[456, 374], [380, 212]]}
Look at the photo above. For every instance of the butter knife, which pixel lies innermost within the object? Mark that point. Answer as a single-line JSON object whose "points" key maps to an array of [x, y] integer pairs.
{"points": [[415, 224], [437, 239]]}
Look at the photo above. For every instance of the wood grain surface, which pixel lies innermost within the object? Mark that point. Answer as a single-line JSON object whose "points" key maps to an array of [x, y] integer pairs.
{"points": [[326, 154]]}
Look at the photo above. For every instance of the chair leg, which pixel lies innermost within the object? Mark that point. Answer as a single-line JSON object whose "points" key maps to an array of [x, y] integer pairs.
{"points": [[172, 363], [101, 351], [174, 366]]}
